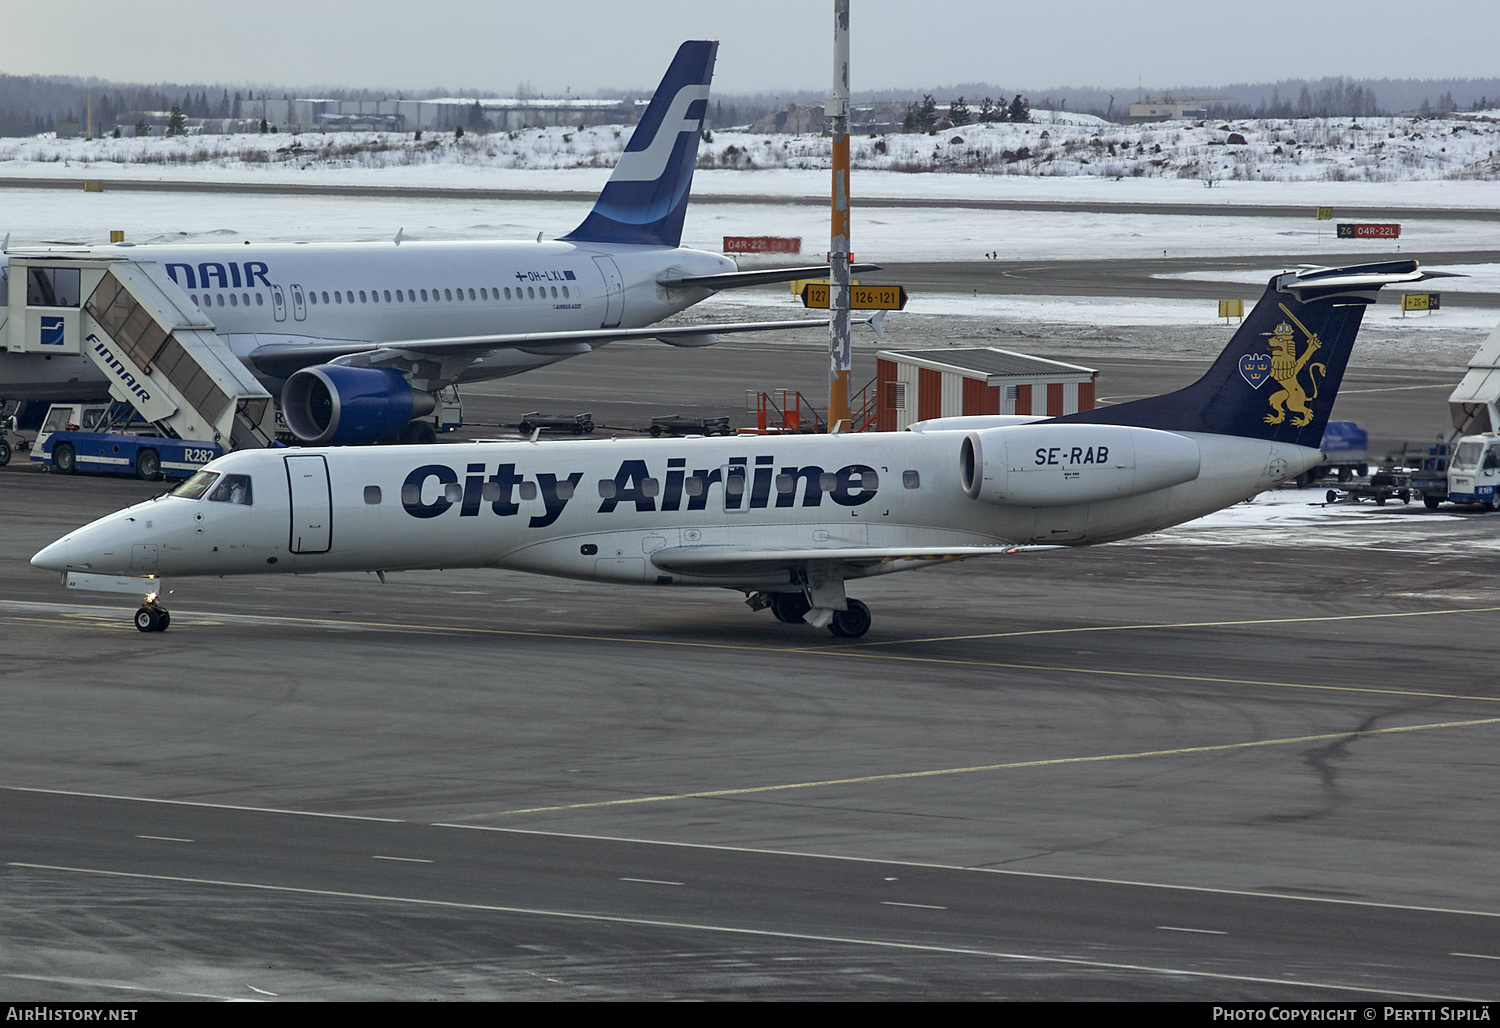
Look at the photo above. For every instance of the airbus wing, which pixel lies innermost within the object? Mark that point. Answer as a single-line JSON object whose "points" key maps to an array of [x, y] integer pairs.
{"points": [[283, 360]]}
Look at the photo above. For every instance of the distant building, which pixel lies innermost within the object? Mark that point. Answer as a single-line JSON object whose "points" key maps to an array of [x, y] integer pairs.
{"points": [[797, 119], [440, 114], [67, 128], [1171, 108]]}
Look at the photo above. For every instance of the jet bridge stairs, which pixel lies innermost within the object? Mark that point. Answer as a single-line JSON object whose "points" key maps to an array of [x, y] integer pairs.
{"points": [[160, 332], [158, 351]]}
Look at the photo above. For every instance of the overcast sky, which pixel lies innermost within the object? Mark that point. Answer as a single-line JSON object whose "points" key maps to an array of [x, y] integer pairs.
{"points": [[766, 45]]}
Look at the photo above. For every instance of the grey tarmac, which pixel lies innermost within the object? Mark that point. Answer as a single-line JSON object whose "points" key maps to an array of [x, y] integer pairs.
{"points": [[1205, 765]]}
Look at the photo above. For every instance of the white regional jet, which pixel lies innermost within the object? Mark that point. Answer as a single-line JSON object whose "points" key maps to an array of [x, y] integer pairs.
{"points": [[356, 338], [785, 520]]}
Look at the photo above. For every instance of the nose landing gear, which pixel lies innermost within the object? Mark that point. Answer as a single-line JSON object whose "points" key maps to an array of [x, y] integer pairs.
{"points": [[152, 618]]}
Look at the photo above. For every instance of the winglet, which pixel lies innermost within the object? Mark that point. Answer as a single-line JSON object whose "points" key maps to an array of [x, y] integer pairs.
{"points": [[646, 197]]}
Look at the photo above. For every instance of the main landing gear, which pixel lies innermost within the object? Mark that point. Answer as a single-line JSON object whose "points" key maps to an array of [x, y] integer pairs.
{"points": [[796, 609], [152, 618]]}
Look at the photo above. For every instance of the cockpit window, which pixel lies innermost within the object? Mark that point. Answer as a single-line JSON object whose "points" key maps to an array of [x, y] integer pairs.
{"points": [[233, 489], [195, 487]]}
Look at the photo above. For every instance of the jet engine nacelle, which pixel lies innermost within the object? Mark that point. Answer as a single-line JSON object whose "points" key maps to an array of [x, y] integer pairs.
{"points": [[1051, 465], [333, 405]]}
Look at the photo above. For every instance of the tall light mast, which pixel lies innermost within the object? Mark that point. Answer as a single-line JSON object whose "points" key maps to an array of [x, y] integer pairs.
{"points": [[837, 110]]}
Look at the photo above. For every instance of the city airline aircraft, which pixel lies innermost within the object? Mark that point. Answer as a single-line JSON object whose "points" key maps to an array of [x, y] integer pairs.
{"points": [[788, 520]]}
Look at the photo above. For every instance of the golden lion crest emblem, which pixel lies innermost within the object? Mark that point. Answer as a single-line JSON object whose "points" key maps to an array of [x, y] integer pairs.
{"points": [[1286, 366]]}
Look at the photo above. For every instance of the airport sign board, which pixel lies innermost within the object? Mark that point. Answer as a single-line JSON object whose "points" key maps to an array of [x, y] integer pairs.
{"points": [[1357, 230], [762, 244], [861, 298]]}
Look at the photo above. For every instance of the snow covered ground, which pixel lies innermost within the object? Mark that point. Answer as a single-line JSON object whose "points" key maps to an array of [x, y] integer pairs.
{"points": [[34, 216], [1452, 148]]}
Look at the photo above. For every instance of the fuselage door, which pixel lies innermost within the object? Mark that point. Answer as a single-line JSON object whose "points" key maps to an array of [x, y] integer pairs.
{"points": [[312, 504], [299, 303], [614, 291], [278, 303]]}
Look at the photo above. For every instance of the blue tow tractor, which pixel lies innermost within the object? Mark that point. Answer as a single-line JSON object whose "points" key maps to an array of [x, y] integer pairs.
{"points": [[111, 437]]}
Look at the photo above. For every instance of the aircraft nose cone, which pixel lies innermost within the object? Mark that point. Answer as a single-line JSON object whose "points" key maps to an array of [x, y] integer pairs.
{"points": [[52, 558]]}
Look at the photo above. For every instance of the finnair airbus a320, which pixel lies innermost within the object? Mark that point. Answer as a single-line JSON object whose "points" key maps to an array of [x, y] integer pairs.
{"points": [[785, 520], [356, 338]]}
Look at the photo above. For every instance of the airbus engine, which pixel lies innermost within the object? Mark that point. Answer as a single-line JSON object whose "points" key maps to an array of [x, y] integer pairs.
{"points": [[1052, 465], [333, 405]]}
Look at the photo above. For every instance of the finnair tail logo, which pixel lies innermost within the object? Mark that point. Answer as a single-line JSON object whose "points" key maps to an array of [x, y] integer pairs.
{"points": [[647, 165]]}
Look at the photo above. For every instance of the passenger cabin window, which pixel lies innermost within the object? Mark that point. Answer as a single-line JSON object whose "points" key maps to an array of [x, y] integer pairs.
{"points": [[911, 480], [372, 495]]}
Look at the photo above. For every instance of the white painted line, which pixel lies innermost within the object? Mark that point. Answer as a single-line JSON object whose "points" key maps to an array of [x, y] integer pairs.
{"points": [[408, 860], [651, 881], [164, 838], [919, 906], [1195, 931], [754, 932], [263, 992], [195, 803], [95, 983], [1476, 956], [970, 869]]}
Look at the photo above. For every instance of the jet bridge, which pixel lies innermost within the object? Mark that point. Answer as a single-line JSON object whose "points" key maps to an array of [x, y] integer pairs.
{"points": [[1475, 403], [159, 352]]}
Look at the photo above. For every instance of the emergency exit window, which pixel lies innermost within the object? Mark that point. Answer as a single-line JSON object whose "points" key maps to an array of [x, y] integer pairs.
{"points": [[52, 287]]}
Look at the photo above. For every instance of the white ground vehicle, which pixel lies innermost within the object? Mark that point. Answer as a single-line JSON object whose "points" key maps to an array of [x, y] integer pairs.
{"points": [[1474, 471]]}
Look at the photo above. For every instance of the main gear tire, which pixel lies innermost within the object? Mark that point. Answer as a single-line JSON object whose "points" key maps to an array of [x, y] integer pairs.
{"points": [[851, 623], [790, 608]]}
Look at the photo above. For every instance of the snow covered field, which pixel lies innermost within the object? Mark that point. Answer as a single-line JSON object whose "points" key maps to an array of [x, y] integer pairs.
{"points": [[1456, 147]]}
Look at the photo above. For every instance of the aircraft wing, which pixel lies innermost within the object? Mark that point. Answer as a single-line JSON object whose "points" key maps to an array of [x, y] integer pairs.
{"points": [[279, 360], [740, 561], [741, 279]]}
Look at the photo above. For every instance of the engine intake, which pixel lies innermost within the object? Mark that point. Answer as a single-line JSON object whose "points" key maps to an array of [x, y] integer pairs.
{"points": [[1053, 465], [333, 405]]}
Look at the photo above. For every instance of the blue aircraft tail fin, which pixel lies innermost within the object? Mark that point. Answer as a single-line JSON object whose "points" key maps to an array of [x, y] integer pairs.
{"points": [[1279, 375], [646, 197]]}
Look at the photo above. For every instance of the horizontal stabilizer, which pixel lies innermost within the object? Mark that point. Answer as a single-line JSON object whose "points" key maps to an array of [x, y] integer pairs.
{"points": [[741, 279], [1279, 375]]}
